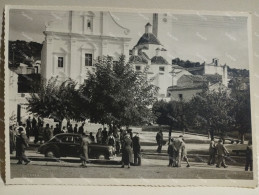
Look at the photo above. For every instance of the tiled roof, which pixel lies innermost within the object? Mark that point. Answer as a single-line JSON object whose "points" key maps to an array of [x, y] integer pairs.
{"points": [[187, 86], [213, 78], [158, 60], [195, 78], [148, 38]]}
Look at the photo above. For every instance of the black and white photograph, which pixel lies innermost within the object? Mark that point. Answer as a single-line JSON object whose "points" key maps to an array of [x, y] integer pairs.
{"points": [[128, 97]]}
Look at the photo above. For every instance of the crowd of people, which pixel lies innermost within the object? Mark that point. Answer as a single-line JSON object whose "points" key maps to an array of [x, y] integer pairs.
{"points": [[123, 143], [177, 152], [121, 140], [217, 152]]}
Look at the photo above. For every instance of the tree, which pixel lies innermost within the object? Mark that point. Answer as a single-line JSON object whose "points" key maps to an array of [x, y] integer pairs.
{"points": [[57, 100], [169, 113], [117, 95], [242, 108], [214, 109]]}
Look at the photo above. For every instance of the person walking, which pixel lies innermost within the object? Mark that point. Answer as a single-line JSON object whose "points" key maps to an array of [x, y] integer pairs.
{"points": [[104, 135], [12, 138], [51, 131], [81, 129], [212, 152], [183, 154], [21, 144], [84, 148], [222, 152], [249, 156], [111, 140], [136, 150], [177, 143], [64, 130], [34, 126], [35, 129], [56, 130], [99, 136], [117, 141], [159, 140], [70, 128], [41, 133], [91, 137], [47, 133], [170, 152], [75, 129], [126, 151], [28, 127]]}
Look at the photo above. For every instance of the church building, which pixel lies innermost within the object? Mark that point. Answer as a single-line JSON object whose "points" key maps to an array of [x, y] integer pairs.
{"points": [[72, 44], [150, 55]]}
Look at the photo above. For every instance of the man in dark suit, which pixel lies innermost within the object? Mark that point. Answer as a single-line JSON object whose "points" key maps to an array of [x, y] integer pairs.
{"points": [[81, 129], [136, 150], [159, 140], [21, 144]]}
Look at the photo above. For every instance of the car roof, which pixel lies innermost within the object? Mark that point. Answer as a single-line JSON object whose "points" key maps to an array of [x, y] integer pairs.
{"points": [[66, 134]]}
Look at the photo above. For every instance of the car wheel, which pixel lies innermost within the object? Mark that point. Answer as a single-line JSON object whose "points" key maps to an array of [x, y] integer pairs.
{"points": [[50, 154], [100, 156]]}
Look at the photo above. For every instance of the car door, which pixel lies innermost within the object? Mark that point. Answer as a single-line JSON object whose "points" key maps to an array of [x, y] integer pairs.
{"points": [[77, 148], [68, 146]]}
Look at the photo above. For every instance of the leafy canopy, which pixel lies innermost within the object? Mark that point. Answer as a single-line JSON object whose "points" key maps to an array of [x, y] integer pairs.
{"points": [[56, 99], [116, 94]]}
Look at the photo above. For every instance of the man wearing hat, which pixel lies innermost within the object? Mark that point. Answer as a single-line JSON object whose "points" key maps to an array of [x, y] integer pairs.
{"points": [[170, 152], [222, 152], [21, 144], [136, 150]]}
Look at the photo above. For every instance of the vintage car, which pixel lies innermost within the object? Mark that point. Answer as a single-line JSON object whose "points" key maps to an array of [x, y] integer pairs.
{"points": [[69, 145]]}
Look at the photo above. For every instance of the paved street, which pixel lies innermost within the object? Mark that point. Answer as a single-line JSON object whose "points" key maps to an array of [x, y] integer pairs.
{"points": [[154, 165], [151, 168]]}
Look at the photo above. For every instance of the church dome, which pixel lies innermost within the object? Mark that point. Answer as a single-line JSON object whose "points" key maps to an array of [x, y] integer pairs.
{"points": [[148, 37]]}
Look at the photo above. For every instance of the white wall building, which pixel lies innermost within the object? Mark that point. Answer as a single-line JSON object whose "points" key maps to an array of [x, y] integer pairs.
{"points": [[72, 44], [216, 68], [150, 55]]}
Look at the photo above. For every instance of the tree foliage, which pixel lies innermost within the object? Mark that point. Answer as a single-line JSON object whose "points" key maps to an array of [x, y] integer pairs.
{"points": [[56, 99], [242, 107], [167, 113], [117, 95], [214, 110]]}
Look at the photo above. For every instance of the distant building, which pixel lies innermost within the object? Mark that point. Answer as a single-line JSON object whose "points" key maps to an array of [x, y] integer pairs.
{"points": [[22, 81], [187, 87]]}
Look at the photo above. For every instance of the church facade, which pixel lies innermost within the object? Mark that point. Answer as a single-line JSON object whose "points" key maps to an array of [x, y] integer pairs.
{"points": [[72, 44]]}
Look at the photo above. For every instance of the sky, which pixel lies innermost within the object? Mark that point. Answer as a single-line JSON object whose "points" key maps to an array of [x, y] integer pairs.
{"points": [[193, 37]]}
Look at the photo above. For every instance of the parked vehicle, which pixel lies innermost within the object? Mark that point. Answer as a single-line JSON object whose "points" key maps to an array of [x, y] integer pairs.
{"points": [[69, 145]]}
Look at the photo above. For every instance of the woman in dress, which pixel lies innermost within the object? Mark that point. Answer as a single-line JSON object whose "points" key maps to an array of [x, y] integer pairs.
{"points": [[126, 151], [84, 148], [99, 136]]}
